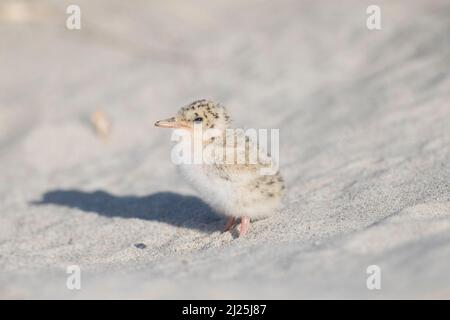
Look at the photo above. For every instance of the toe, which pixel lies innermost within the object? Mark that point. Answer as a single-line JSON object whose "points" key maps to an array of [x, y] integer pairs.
{"points": [[245, 226], [230, 224]]}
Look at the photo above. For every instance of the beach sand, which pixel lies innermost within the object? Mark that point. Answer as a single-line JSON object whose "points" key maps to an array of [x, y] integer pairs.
{"points": [[364, 119]]}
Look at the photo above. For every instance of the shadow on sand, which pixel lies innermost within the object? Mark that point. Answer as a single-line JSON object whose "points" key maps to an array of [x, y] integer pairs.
{"points": [[172, 208]]}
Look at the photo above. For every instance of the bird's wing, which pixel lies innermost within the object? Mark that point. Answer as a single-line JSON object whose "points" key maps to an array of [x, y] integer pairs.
{"points": [[242, 153]]}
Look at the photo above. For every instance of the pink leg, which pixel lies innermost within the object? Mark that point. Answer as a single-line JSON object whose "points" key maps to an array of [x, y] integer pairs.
{"points": [[245, 226], [230, 224]]}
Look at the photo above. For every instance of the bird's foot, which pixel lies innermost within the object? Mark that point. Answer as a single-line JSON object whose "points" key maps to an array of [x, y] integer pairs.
{"points": [[245, 226], [230, 224]]}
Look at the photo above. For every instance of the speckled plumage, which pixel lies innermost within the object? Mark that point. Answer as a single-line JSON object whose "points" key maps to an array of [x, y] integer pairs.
{"points": [[237, 190]]}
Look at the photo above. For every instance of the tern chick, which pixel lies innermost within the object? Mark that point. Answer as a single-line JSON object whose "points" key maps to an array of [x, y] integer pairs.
{"points": [[236, 188]]}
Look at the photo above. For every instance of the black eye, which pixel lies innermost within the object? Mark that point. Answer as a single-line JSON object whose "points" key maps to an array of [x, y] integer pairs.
{"points": [[198, 119]]}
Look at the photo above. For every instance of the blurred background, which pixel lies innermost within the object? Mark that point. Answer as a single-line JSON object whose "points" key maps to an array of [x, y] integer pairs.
{"points": [[86, 179]]}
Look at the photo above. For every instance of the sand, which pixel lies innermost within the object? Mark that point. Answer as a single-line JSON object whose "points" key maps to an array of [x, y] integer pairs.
{"points": [[364, 136]]}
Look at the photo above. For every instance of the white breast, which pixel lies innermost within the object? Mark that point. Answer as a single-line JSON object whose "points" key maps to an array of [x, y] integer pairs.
{"points": [[227, 195], [216, 191]]}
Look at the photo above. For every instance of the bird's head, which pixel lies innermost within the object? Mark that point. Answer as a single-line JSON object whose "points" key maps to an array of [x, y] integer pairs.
{"points": [[208, 114]]}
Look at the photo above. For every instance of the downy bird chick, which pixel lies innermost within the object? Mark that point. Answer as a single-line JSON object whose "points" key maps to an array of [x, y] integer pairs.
{"points": [[233, 187]]}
